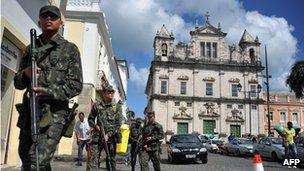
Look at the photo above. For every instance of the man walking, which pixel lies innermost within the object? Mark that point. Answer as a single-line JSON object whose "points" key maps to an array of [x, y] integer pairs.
{"points": [[59, 77], [135, 134], [82, 131], [109, 115], [152, 133], [289, 134], [130, 121]]}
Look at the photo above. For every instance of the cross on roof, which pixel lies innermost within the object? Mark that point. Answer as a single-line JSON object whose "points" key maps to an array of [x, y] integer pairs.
{"points": [[207, 17]]}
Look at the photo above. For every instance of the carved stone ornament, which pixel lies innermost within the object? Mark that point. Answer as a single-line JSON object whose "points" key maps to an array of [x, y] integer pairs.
{"points": [[182, 114], [234, 80], [183, 77], [210, 111], [209, 79], [163, 77], [235, 116]]}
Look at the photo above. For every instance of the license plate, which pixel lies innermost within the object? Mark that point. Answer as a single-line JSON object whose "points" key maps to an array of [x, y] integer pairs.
{"points": [[190, 156]]}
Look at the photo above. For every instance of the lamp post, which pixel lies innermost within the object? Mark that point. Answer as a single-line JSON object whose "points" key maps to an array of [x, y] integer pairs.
{"points": [[259, 88]]}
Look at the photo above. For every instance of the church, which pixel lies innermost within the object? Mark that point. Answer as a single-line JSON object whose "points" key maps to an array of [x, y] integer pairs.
{"points": [[206, 86]]}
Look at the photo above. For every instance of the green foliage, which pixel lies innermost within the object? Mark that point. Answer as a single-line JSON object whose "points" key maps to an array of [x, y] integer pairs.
{"points": [[295, 80]]}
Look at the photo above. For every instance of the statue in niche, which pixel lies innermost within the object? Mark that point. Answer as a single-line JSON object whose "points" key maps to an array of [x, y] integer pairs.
{"points": [[209, 108]]}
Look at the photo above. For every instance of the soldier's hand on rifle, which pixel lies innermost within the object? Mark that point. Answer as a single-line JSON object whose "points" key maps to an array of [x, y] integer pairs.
{"points": [[97, 128], [28, 72], [106, 137], [39, 89], [149, 138]]}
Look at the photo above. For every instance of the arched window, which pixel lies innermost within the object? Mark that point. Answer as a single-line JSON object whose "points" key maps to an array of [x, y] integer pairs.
{"points": [[164, 49], [251, 55]]}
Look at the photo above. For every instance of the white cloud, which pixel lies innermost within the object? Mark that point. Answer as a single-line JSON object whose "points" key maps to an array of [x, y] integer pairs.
{"points": [[139, 76], [133, 25]]}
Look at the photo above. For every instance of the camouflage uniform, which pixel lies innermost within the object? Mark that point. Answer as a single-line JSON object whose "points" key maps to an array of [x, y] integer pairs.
{"points": [[135, 132], [111, 117], [61, 77], [155, 131]]}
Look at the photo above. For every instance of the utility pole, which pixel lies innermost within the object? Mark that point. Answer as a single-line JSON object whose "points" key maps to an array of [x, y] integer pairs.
{"points": [[267, 86]]}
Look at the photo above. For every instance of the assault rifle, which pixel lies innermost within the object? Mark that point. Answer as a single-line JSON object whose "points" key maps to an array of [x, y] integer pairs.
{"points": [[106, 148], [33, 100], [68, 121]]}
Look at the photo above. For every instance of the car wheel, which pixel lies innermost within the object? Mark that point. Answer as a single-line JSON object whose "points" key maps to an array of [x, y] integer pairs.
{"points": [[274, 156], [227, 152], [238, 153], [204, 161]]}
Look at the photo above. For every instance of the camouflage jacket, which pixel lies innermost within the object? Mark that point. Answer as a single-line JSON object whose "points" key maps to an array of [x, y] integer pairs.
{"points": [[135, 132], [155, 131], [61, 70], [108, 114]]}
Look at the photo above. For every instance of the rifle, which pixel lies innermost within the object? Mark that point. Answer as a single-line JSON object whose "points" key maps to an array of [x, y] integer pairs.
{"points": [[33, 100], [106, 148], [139, 145], [69, 119]]}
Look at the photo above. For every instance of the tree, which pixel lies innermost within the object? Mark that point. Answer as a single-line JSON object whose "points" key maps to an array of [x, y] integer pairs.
{"points": [[295, 80]]}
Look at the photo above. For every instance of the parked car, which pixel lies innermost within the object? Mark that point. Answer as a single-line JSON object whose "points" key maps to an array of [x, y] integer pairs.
{"points": [[300, 148], [239, 147], [213, 145], [203, 139], [186, 147], [270, 147]]}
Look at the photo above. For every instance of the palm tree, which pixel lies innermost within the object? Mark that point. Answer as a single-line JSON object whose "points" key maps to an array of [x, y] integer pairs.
{"points": [[295, 80]]}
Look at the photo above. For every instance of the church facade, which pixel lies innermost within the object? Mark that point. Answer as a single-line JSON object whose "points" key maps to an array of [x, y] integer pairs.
{"points": [[206, 86]]}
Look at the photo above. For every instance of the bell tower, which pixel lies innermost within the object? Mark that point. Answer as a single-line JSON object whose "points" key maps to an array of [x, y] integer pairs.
{"points": [[163, 44]]}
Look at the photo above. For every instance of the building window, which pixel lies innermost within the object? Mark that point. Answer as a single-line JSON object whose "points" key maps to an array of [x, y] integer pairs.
{"points": [[203, 53], [251, 55], [214, 50], [240, 106], [295, 117], [208, 49], [229, 106], [209, 89], [163, 89], [253, 91], [164, 49], [282, 116], [271, 116], [234, 90], [189, 104], [253, 107], [176, 103], [183, 87]]}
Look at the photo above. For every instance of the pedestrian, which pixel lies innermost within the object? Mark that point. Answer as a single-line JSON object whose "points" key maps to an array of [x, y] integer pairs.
{"points": [[230, 138], [130, 121], [135, 132], [82, 131], [59, 77], [289, 134], [152, 133], [108, 113]]}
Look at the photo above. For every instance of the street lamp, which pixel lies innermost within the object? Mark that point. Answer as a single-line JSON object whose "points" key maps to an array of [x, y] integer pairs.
{"points": [[259, 88]]}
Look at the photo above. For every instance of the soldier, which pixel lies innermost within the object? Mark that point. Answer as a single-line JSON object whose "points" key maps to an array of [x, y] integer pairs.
{"points": [[130, 121], [109, 114], [152, 133], [135, 132], [59, 75]]}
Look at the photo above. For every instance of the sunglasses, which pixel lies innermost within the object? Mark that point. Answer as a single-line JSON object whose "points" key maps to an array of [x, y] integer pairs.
{"points": [[49, 14]]}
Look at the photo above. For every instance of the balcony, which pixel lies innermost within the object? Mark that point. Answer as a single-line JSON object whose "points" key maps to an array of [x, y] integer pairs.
{"points": [[84, 5]]}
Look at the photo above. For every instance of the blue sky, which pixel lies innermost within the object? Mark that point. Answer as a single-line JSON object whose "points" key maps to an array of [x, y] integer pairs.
{"points": [[133, 24]]}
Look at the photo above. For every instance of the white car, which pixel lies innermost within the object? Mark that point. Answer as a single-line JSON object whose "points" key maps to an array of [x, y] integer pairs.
{"points": [[212, 145]]}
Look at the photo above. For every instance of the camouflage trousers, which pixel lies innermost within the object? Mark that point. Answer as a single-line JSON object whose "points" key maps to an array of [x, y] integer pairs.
{"points": [[146, 156], [48, 140], [96, 149]]}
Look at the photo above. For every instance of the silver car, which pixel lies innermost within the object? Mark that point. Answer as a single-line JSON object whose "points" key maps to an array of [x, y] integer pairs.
{"points": [[270, 147], [239, 147], [212, 146]]}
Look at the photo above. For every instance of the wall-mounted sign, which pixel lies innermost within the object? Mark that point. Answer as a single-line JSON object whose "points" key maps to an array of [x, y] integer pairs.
{"points": [[9, 54]]}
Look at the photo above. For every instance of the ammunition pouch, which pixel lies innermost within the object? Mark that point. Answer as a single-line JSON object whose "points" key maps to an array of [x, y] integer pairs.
{"points": [[69, 125], [24, 116], [46, 116]]}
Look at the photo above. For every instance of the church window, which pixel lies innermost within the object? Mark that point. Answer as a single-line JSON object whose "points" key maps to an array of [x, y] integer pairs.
{"points": [[209, 89], [251, 55], [183, 87], [203, 53], [214, 50], [234, 90], [164, 49], [208, 49], [163, 87]]}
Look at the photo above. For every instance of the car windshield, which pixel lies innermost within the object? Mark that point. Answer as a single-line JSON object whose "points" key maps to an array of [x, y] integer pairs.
{"points": [[185, 139], [276, 140], [242, 141]]}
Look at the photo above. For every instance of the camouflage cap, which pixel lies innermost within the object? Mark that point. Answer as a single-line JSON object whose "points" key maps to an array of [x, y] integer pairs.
{"points": [[108, 87], [150, 114], [50, 8], [131, 113]]}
